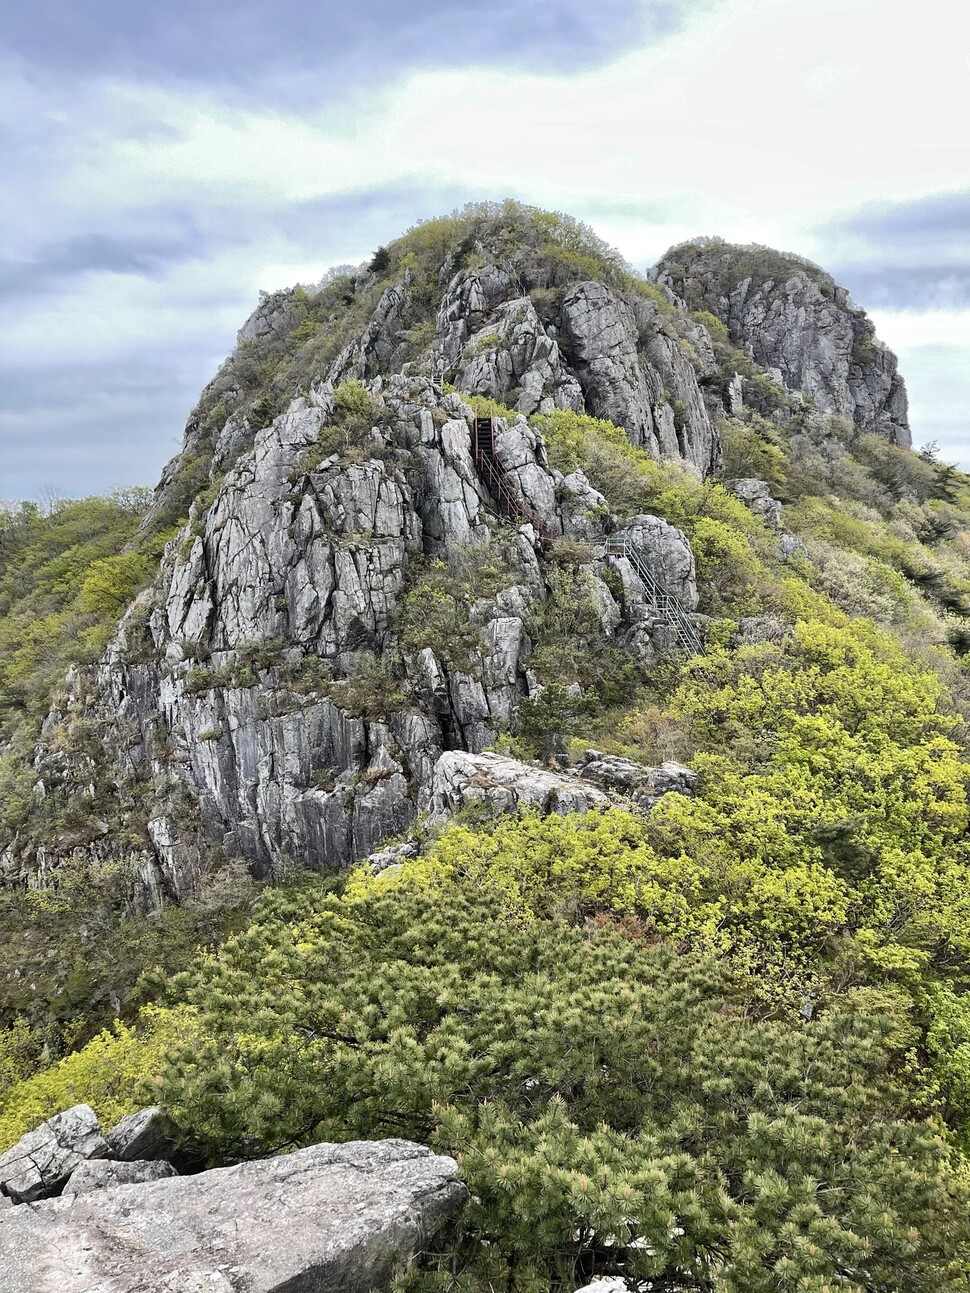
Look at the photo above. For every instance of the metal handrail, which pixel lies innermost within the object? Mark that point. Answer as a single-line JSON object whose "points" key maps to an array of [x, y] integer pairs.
{"points": [[669, 608], [510, 503]]}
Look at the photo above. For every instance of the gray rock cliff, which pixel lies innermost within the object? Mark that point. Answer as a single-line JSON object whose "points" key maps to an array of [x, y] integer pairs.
{"points": [[266, 701], [252, 685], [793, 318]]}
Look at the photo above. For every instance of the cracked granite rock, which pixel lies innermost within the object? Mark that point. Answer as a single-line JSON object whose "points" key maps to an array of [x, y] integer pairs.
{"points": [[634, 372], [40, 1162], [105, 1174], [140, 1136], [791, 316], [348, 1217]]}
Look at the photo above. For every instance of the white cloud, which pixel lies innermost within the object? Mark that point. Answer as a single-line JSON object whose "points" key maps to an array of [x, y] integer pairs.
{"points": [[744, 109], [757, 119]]}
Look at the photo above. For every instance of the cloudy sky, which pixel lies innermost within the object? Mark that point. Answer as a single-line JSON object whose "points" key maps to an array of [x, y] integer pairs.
{"points": [[161, 167]]}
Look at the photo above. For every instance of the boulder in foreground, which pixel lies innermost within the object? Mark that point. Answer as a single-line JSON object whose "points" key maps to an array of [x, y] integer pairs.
{"points": [[40, 1162], [331, 1217]]}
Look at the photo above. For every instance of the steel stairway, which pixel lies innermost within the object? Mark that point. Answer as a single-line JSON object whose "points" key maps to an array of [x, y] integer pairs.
{"points": [[508, 501], [669, 609]]}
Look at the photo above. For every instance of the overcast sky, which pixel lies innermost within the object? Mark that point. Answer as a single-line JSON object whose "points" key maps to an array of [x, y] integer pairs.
{"points": [[161, 167]]}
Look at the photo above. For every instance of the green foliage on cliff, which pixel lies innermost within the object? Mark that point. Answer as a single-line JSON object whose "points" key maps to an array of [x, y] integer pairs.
{"points": [[67, 572]]}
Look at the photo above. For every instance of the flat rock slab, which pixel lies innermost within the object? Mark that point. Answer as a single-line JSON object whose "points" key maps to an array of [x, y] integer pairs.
{"points": [[105, 1174], [328, 1219]]}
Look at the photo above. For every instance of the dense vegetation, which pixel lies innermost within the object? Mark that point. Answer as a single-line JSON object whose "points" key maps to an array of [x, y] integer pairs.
{"points": [[72, 953], [724, 1046], [67, 571]]}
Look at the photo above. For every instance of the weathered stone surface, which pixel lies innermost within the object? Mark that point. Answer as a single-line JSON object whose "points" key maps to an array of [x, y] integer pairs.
{"points": [[669, 778], [470, 296], [105, 1173], [634, 373], [646, 784], [393, 856], [139, 1135], [521, 453], [791, 316], [40, 1162], [379, 348], [789, 547], [495, 783], [331, 1217], [667, 555], [611, 770], [756, 494], [512, 359]]}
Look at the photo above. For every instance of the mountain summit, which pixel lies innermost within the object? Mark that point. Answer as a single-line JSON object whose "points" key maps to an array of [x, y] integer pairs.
{"points": [[348, 603], [528, 720]]}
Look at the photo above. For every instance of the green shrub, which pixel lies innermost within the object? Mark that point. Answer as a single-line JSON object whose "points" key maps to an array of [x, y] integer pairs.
{"points": [[615, 1108], [116, 1073]]}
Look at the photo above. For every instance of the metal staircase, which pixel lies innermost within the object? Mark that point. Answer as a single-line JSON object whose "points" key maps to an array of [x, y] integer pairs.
{"points": [[508, 500], [669, 609]]}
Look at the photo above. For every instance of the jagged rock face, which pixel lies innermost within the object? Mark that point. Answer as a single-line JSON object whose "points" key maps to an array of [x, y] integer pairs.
{"points": [[378, 349], [240, 679], [40, 1162], [512, 359], [346, 1217], [237, 688], [635, 373], [139, 1136], [793, 318]]}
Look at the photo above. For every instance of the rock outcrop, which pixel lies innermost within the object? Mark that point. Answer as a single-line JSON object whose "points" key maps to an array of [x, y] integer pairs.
{"points": [[346, 1217], [645, 785], [269, 699], [757, 495], [139, 1136], [42, 1161], [795, 321], [254, 683], [104, 1173], [634, 372], [493, 783]]}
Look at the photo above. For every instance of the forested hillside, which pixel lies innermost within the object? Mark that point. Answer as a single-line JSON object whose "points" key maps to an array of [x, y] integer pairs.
{"points": [[711, 1038]]}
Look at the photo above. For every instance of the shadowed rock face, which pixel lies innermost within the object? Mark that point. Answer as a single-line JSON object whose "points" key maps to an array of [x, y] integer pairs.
{"points": [[634, 372], [331, 1217], [793, 318]]}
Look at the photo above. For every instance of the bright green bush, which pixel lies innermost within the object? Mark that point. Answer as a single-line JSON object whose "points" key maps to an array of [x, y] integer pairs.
{"points": [[66, 575], [116, 1073]]}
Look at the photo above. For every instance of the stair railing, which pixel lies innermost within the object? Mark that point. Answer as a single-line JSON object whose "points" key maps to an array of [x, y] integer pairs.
{"points": [[669, 609], [510, 502]]}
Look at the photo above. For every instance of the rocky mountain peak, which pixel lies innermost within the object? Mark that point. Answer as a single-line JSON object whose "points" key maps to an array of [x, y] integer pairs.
{"points": [[361, 588], [794, 320]]}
